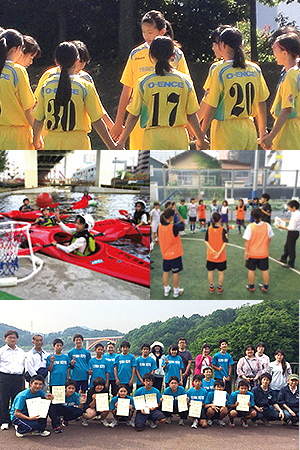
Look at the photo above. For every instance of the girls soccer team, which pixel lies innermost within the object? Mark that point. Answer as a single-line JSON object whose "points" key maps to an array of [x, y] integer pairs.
{"points": [[157, 91]]}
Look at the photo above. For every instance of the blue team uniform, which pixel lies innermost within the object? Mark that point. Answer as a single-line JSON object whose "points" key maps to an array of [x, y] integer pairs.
{"points": [[20, 401], [124, 364], [99, 368], [59, 374], [81, 368], [233, 398], [175, 363], [145, 365], [110, 364], [115, 399], [210, 398], [143, 391], [208, 385], [222, 360]]}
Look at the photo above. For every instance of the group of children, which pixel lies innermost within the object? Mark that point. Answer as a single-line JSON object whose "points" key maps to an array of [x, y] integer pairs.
{"points": [[157, 91], [170, 224], [112, 375]]}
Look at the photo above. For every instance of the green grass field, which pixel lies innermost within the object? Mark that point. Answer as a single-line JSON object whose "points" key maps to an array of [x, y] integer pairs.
{"points": [[284, 283]]}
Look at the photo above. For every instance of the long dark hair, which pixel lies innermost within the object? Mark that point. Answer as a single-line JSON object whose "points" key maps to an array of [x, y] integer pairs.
{"points": [[162, 49], [169, 212], [283, 362], [157, 19], [66, 55], [9, 39], [234, 38]]}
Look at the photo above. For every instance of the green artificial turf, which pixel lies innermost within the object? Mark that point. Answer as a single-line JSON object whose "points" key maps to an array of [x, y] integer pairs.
{"points": [[284, 283]]}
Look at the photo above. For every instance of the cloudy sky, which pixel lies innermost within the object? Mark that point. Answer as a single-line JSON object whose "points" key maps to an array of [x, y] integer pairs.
{"points": [[123, 315]]}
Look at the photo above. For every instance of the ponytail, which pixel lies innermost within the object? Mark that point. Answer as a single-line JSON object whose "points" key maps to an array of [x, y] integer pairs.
{"points": [[169, 28], [66, 55], [162, 49], [169, 212], [8, 39], [234, 39]]}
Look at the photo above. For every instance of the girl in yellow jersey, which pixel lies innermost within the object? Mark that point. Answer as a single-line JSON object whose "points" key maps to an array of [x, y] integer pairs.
{"points": [[16, 96], [139, 64], [285, 134], [236, 94], [68, 105], [165, 101]]}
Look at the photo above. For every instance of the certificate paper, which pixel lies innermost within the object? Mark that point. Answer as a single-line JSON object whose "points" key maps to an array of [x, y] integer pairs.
{"points": [[139, 402], [219, 398], [182, 403], [59, 393], [243, 402], [102, 402], [123, 407], [167, 403], [195, 409], [151, 400], [38, 407]]}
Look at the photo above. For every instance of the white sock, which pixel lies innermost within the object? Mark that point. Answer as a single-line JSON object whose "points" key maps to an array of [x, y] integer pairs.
{"points": [[167, 288], [176, 290]]}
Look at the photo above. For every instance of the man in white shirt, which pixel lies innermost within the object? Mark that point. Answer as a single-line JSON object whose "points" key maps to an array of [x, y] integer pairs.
{"points": [[12, 363], [293, 229], [36, 360]]}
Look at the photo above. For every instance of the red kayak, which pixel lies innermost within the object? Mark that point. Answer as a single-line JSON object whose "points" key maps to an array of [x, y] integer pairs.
{"points": [[114, 229], [28, 216], [107, 259]]}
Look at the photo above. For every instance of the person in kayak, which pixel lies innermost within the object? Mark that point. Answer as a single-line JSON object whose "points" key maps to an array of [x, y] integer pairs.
{"points": [[45, 220], [86, 195], [82, 242], [26, 207], [140, 216]]}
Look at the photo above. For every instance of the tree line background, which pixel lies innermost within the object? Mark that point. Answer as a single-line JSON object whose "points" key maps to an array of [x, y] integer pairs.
{"points": [[273, 321], [111, 28]]}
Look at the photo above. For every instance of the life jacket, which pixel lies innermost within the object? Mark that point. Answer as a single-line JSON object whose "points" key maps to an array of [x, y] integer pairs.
{"points": [[138, 216], [90, 242], [28, 208], [49, 222]]}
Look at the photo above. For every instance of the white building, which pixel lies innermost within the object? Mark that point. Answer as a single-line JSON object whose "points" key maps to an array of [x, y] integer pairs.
{"points": [[266, 15]]}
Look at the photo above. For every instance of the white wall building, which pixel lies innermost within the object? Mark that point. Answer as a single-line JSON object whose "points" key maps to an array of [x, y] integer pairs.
{"points": [[266, 15]]}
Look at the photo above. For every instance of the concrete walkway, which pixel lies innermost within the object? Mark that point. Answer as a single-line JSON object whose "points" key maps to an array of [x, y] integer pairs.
{"points": [[59, 280], [54, 189]]}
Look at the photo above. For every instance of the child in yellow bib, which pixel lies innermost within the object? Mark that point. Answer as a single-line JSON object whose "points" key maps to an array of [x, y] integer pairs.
{"points": [[165, 101], [68, 105], [139, 64], [285, 134], [236, 94], [16, 96]]}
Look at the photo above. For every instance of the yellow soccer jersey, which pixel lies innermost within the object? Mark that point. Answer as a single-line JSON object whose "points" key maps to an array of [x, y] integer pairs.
{"points": [[164, 101], [140, 64], [53, 71], [211, 69], [288, 94], [236, 92], [16, 95], [83, 108]]}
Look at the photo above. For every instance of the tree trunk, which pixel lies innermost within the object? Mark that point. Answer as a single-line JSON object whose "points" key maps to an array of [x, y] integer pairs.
{"points": [[127, 27], [253, 26]]}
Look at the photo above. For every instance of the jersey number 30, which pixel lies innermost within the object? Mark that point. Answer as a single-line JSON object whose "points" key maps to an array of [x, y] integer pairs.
{"points": [[66, 115], [171, 98]]}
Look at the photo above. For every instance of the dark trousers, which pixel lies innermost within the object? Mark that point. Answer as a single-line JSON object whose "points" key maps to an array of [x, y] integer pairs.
{"points": [[68, 413], [113, 386], [10, 386], [183, 415], [26, 426], [268, 413], [290, 247], [158, 381]]}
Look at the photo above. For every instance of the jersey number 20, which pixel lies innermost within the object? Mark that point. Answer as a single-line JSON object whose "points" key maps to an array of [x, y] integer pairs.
{"points": [[171, 98], [247, 93]]}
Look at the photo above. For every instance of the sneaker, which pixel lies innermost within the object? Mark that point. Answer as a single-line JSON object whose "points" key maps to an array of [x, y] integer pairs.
{"points": [[250, 288], [65, 423], [57, 430], [240, 232], [105, 423], [266, 422], [5, 426], [114, 423], [220, 289], [181, 291], [41, 433], [221, 423], [98, 417], [209, 423], [169, 420], [183, 233], [19, 435], [130, 423], [84, 422], [244, 423], [262, 288], [211, 289], [152, 424], [167, 291], [181, 422], [195, 423], [231, 424]]}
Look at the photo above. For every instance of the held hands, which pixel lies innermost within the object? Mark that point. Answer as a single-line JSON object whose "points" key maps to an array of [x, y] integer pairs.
{"points": [[266, 142], [116, 131]]}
